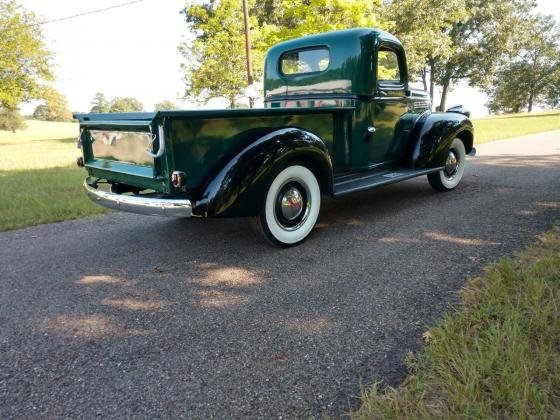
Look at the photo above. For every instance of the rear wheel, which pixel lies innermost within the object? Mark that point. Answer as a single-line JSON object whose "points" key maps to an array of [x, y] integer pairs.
{"points": [[291, 207], [450, 176]]}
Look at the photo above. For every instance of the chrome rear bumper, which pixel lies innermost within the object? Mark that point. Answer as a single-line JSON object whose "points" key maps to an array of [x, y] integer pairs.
{"points": [[172, 207]]}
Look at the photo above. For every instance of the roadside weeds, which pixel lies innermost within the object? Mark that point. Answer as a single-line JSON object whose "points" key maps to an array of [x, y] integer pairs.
{"points": [[499, 356]]}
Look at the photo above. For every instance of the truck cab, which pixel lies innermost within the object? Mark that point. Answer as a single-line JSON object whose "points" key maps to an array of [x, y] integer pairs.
{"points": [[361, 68]]}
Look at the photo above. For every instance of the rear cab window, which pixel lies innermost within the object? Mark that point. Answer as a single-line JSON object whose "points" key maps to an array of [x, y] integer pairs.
{"points": [[305, 61], [388, 69]]}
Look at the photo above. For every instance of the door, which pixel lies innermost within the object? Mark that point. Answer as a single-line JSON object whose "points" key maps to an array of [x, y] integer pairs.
{"points": [[376, 142]]}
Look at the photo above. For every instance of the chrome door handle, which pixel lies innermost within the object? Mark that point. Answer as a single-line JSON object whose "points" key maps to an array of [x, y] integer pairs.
{"points": [[369, 133]]}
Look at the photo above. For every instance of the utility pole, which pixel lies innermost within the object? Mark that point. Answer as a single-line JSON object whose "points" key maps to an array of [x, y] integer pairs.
{"points": [[248, 49]]}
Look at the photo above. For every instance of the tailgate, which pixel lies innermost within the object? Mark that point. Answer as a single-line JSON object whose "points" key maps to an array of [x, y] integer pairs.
{"points": [[126, 148]]}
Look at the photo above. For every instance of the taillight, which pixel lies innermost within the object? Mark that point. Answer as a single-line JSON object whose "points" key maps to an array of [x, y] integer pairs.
{"points": [[178, 179]]}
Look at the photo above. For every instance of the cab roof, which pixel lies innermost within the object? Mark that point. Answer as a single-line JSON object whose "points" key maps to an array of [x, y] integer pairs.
{"points": [[349, 70]]}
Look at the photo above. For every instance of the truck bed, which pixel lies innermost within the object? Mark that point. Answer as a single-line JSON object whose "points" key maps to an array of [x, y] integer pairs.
{"points": [[197, 142]]}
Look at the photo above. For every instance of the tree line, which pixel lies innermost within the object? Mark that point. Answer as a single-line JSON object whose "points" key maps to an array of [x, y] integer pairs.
{"points": [[500, 46], [100, 103]]}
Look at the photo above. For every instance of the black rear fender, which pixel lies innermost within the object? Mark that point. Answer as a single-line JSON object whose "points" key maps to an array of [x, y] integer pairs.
{"points": [[432, 135], [240, 186]]}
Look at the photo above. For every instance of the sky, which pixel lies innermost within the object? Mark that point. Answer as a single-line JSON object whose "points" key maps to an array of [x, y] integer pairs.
{"points": [[132, 51], [127, 51]]}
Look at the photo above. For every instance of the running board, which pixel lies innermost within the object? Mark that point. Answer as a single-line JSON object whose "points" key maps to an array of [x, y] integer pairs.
{"points": [[358, 182]]}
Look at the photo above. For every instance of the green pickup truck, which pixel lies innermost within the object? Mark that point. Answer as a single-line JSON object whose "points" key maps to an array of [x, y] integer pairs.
{"points": [[339, 117]]}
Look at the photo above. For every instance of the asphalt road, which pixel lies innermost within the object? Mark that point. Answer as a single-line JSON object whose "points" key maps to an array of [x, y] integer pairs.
{"points": [[127, 315]]}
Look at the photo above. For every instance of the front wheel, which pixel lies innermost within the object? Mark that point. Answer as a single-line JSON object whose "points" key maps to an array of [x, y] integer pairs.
{"points": [[291, 207], [450, 176]]}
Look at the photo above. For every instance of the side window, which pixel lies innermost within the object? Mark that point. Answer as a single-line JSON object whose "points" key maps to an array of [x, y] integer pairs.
{"points": [[310, 60], [388, 66]]}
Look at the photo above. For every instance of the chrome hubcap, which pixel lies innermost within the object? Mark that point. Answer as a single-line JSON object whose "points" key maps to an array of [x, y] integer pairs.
{"points": [[451, 164], [292, 204]]}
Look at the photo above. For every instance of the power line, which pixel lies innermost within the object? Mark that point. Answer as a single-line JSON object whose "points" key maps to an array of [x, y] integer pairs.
{"points": [[91, 12]]}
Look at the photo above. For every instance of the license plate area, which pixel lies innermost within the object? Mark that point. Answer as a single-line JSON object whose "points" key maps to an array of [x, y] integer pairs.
{"points": [[126, 151], [122, 146]]}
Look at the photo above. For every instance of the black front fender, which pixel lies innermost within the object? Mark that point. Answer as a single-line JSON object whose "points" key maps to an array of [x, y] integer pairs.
{"points": [[239, 188], [432, 135]]}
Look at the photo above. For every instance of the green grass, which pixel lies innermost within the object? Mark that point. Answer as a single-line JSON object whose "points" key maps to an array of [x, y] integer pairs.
{"points": [[514, 125], [39, 180], [499, 357], [41, 130]]}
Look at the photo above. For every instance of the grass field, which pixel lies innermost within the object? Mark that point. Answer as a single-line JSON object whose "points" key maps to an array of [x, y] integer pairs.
{"points": [[514, 125], [40, 183], [499, 357], [39, 180]]}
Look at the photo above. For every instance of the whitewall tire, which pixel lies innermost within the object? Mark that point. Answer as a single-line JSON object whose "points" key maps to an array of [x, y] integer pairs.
{"points": [[291, 206], [449, 177]]}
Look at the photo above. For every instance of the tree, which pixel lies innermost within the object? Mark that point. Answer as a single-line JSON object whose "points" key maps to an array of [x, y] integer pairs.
{"points": [[126, 104], [11, 120], [40, 112], [552, 97], [423, 27], [55, 107], [215, 59], [294, 19], [24, 60], [120, 104], [165, 105], [479, 42], [100, 103], [532, 74]]}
